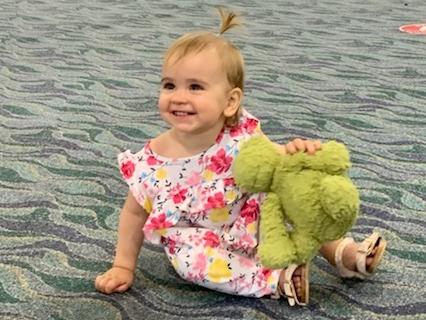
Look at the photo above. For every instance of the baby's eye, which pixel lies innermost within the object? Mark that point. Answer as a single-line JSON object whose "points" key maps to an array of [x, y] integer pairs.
{"points": [[168, 86], [195, 86]]}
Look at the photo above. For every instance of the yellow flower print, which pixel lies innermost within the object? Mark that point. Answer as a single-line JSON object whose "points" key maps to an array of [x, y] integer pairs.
{"points": [[271, 280], [219, 214], [252, 227], [219, 271], [231, 195], [147, 205], [161, 174], [209, 252], [162, 232], [175, 263], [208, 175]]}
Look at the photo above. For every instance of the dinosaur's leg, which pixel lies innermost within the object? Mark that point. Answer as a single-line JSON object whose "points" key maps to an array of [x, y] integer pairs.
{"points": [[276, 249], [306, 246]]}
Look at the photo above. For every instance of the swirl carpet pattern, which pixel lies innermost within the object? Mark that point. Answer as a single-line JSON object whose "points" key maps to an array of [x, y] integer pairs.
{"points": [[78, 84]]}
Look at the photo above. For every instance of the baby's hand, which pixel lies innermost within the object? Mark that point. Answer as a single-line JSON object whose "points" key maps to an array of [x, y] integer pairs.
{"points": [[297, 145], [116, 279]]}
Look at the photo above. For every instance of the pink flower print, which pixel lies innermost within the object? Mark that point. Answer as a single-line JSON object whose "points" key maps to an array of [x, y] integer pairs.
{"points": [[250, 211], [236, 130], [246, 242], [250, 125], [152, 161], [195, 278], [172, 246], [194, 179], [266, 272], [219, 137], [127, 169], [200, 263], [229, 182], [220, 162], [195, 239], [178, 194], [215, 201], [263, 275], [159, 222], [211, 239], [245, 262], [240, 284]]}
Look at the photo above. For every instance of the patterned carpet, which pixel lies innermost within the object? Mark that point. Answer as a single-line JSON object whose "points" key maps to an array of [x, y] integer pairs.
{"points": [[78, 84]]}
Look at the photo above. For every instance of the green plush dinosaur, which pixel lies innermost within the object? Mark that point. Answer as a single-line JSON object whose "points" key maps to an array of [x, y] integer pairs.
{"points": [[310, 199]]}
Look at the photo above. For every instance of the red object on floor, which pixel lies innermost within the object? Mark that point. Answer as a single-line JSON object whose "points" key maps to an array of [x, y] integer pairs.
{"points": [[419, 28]]}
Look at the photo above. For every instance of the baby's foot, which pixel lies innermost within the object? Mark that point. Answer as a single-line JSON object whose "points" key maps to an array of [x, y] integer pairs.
{"points": [[361, 259], [296, 279], [294, 284], [349, 256]]}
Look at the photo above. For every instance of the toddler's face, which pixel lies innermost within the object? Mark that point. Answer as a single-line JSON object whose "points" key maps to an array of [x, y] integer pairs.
{"points": [[194, 92]]}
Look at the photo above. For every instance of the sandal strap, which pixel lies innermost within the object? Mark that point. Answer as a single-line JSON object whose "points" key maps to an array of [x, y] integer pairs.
{"points": [[365, 249], [338, 260], [289, 288]]}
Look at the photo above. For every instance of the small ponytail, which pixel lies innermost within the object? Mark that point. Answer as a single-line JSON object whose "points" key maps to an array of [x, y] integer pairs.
{"points": [[229, 20]]}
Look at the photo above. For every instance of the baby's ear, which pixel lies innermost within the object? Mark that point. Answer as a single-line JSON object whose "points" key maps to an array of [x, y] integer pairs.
{"points": [[255, 165], [235, 97]]}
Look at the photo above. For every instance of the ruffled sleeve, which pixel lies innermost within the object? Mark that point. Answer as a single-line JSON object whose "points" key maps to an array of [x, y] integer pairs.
{"points": [[247, 127], [129, 166]]}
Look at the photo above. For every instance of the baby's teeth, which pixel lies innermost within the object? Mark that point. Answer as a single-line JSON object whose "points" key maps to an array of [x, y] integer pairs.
{"points": [[181, 113]]}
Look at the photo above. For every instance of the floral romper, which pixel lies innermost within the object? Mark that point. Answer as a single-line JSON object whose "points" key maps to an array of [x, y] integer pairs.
{"points": [[207, 225]]}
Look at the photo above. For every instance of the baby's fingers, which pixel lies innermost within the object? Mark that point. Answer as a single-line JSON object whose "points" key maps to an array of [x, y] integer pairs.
{"points": [[291, 147], [300, 144], [296, 145], [112, 284], [99, 282], [312, 146], [123, 287], [317, 144], [107, 284]]}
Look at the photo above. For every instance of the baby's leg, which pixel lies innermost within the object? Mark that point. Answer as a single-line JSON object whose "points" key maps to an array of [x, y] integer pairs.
{"points": [[349, 252], [222, 270], [328, 250]]}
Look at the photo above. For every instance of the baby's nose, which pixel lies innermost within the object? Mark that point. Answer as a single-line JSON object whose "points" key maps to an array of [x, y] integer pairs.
{"points": [[180, 96]]}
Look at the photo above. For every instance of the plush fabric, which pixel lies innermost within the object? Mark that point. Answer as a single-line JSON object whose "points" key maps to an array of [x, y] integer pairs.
{"points": [[310, 198]]}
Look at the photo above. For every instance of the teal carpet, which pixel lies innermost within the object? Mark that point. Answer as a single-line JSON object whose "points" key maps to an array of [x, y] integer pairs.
{"points": [[78, 84]]}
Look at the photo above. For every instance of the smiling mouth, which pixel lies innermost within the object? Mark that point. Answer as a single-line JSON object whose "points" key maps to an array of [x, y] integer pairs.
{"points": [[182, 113]]}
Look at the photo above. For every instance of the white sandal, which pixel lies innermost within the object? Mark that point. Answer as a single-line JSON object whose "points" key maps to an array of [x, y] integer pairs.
{"points": [[290, 289], [374, 241]]}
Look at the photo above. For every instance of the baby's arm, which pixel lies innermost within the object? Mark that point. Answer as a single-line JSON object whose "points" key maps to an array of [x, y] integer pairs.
{"points": [[130, 239]]}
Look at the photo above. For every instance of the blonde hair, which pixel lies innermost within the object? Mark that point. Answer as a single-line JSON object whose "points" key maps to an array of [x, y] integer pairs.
{"points": [[233, 61]]}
